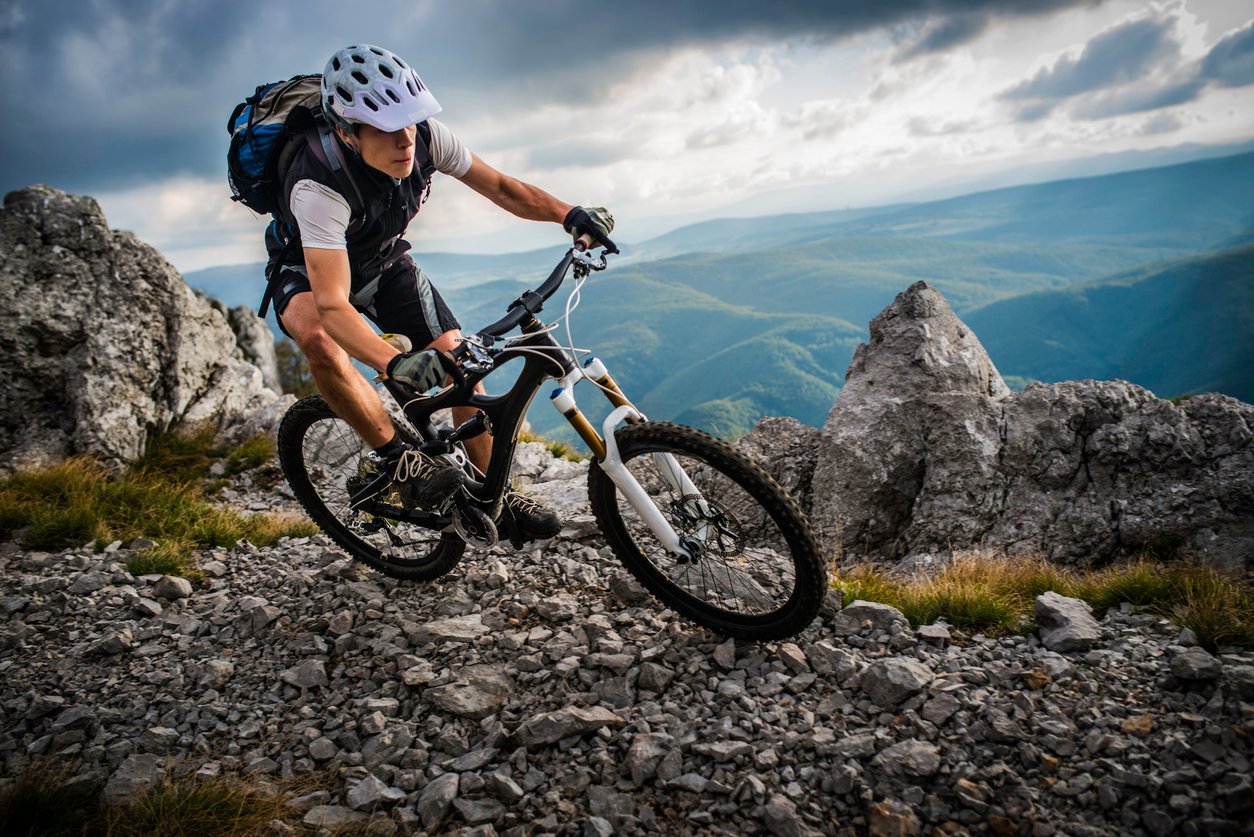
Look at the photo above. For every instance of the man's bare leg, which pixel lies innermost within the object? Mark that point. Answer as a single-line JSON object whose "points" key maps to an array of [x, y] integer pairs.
{"points": [[345, 390]]}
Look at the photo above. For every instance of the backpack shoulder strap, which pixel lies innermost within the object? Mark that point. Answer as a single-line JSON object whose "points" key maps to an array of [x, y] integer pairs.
{"points": [[323, 146], [422, 154]]}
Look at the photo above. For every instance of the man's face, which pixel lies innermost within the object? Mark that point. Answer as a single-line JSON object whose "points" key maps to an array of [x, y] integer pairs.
{"points": [[391, 152]]}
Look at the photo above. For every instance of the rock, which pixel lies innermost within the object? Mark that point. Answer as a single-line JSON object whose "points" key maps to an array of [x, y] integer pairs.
{"points": [[456, 629], [781, 818], [172, 587], [937, 634], [333, 817], [115, 642], [435, 799], [136, 774], [911, 759], [655, 677], [217, 673], [926, 451], [1066, 624], [572, 720], [788, 450], [479, 811], [557, 608], [888, 682], [1196, 664], [725, 654], [89, 583], [171, 360], [859, 615], [645, 754], [371, 793], [309, 674], [478, 691], [892, 818]]}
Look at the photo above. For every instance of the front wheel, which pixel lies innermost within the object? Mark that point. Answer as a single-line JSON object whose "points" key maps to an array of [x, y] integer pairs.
{"points": [[756, 572], [325, 462]]}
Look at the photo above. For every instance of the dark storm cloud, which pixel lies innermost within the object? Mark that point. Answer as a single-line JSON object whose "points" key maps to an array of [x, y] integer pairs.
{"points": [[110, 93], [943, 34]]}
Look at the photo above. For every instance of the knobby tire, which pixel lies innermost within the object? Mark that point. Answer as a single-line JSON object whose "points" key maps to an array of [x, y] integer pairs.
{"points": [[761, 577], [320, 454]]}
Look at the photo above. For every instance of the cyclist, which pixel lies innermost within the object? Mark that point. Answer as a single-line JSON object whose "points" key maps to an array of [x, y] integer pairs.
{"points": [[337, 265]]}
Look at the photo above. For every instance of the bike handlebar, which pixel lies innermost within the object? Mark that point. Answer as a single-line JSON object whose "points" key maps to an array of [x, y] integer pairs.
{"points": [[531, 302]]}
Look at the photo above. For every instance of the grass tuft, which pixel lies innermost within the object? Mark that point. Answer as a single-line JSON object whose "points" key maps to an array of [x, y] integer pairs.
{"points": [[561, 450], [161, 498], [42, 800], [997, 595]]}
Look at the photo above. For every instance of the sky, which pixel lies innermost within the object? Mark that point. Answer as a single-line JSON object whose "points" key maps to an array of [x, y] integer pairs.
{"points": [[664, 112]]}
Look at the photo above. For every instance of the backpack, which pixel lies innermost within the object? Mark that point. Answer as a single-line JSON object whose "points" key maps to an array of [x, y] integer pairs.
{"points": [[261, 128]]}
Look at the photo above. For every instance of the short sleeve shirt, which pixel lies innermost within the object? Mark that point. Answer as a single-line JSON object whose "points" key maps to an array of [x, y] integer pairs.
{"points": [[322, 214]]}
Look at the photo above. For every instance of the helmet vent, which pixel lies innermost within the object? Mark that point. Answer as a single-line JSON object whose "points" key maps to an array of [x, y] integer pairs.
{"points": [[358, 59], [369, 102], [360, 77], [344, 94], [376, 51], [410, 85], [335, 63], [387, 71], [392, 95]]}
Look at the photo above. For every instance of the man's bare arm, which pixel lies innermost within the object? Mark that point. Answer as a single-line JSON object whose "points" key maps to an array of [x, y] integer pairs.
{"points": [[513, 195], [330, 280]]}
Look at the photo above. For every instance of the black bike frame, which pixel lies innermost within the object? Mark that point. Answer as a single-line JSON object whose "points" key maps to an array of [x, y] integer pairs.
{"points": [[542, 357]]}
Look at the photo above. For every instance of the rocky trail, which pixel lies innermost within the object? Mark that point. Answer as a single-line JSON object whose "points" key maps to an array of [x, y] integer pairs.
{"points": [[544, 692]]}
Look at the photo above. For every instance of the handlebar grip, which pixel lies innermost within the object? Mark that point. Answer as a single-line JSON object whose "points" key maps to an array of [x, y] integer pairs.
{"points": [[583, 242]]}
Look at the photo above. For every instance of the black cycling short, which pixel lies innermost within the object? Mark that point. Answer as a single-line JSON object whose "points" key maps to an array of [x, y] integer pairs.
{"points": [[403, 301]]}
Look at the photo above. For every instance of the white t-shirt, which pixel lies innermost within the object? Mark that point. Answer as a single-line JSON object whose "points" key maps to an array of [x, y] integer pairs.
{"points": [[322, 214]]}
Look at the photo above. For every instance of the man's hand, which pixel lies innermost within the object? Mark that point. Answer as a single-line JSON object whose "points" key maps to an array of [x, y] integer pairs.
{"points": [[420, 370], [595, 221]]}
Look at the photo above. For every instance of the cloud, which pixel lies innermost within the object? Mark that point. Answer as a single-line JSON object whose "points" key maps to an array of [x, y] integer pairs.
{"points": [[1134, 67], [1138, 99], [1118, 55], [944, 33], [1230, 63], [111, 92]]}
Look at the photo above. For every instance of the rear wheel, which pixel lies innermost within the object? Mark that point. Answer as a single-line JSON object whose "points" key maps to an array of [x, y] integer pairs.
{"points": [[325, 462], [756, 572]]}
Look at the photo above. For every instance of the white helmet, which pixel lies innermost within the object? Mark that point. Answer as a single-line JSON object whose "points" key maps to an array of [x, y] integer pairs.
{"points": [[369, 84]]}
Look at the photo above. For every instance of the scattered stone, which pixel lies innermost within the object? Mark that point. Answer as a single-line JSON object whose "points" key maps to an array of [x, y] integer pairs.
{"points": [[725, 654], [478, 691], [172, 587], [781, 818], [309, 674], [1196, 664], [554, 726], [937, 633], [333, 817], [558, 608], [859, 615], [1066, 624], [892, 818], [115, 642], [890, 681], [370, 793], [135, 775], [435, 799], [457, 629]]}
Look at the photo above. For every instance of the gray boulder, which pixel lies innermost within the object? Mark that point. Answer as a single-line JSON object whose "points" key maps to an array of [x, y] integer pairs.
{"points": [[1066, 624], [104, 343], [926, 452]]}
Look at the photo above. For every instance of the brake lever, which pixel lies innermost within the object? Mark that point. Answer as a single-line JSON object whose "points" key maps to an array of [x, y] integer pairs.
{"points": [[588, 261]]}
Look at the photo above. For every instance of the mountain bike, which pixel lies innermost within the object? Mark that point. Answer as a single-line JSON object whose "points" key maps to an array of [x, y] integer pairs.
{"points": [[701, 526]]}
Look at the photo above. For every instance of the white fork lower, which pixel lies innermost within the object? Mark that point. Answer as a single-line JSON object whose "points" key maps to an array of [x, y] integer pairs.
{"points": [[632, 491]]}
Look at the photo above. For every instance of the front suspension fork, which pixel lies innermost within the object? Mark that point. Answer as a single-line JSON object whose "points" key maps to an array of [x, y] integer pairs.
{"points": [[604, 447]]}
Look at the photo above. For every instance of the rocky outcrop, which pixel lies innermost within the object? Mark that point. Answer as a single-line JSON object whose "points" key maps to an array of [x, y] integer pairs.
{"points": [[927, 451], [104, 343], [255, 342]]}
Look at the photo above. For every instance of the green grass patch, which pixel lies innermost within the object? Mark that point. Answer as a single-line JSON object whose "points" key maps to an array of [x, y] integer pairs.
{"points": [[997, 595], [561, 450], [161, 498]]}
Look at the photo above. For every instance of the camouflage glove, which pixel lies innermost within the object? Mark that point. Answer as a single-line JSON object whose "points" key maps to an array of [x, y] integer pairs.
{"points": [[596, 222], [420, 370]]}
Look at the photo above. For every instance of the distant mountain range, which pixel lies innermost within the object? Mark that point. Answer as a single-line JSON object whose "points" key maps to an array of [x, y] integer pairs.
{"points": [[1146, 275]]}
